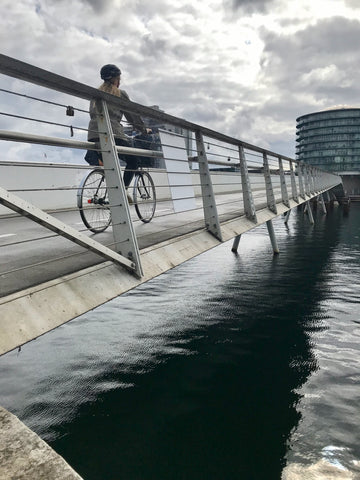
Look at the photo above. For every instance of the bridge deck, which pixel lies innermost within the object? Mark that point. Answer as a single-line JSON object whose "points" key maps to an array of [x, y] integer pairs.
{"points": [[24, 249], [52, 293]]}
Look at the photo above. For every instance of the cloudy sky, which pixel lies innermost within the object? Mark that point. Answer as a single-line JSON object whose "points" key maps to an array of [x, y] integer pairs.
{"points": [[247, 68]]}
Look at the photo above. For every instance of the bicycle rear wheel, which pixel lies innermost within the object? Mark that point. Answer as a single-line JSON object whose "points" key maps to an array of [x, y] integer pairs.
{"points": [[93, 201], [144, 196]]}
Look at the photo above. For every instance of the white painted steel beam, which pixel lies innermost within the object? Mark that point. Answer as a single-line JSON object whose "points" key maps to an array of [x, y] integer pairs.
{"points": [[301, 180], [270, 197], [293, 183], [249, 205], [123, 230], [208, 198], [284, 192]]}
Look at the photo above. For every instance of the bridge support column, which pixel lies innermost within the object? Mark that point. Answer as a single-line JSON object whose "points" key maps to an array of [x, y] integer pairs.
{"points": [[271, 231], [287, 216], [308, 210], [236, 244], [322, 203]]}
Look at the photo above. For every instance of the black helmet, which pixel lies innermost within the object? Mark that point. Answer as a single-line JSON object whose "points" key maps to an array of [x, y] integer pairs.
{"points": [[109, 71]]}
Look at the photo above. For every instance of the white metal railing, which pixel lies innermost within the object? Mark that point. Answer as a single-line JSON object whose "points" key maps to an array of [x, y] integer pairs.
{"points": [[203, 178]]}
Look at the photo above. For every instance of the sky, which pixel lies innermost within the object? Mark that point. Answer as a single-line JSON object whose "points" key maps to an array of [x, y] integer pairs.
{"points": [[246, 68]]}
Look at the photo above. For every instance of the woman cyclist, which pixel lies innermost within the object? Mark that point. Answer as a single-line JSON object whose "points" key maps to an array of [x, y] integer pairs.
{"points": [[110, 74]]}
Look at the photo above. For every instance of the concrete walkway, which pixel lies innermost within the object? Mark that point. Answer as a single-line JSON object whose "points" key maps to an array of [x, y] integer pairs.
{"points": [[24, 456]]}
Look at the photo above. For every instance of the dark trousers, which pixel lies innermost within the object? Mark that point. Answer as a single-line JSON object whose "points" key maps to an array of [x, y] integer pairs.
{"points": [[132, 161]]}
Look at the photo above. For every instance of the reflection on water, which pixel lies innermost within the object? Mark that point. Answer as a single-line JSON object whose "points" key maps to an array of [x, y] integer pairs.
{"points": [[228, 367]]}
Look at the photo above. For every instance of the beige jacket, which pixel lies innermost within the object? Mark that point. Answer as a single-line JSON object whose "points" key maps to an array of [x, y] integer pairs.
{"points": [[115, 114]]}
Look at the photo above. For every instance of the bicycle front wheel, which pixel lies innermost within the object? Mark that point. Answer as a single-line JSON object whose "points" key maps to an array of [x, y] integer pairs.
{"points": [[93, 201], [144, 196]]}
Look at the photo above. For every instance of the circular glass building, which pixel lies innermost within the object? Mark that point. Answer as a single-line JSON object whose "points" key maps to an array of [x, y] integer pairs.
{"points": [[330, 139]]}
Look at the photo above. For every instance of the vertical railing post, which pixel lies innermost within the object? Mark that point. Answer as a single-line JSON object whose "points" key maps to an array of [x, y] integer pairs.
{"points": [[271, 203], [272, 235], [320, 180], [209, 204], [249, 205], [306, 178], [312, 180], [123, 230], [301, 180], [284, 192], [316, 180], [293, 183]]}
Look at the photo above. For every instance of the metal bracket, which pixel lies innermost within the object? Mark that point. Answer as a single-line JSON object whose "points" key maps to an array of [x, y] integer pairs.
{"points": [[208, 197]]}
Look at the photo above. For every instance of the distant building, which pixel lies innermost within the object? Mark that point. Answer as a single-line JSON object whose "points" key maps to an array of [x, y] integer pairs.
{"points": [[330, 140]]}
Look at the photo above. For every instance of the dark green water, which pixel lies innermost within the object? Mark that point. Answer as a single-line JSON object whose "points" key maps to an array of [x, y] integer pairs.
{"points": [[228, 367]]}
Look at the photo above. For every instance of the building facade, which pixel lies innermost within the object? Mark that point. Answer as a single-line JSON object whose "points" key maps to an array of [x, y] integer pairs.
{"points": [[330, 140]]}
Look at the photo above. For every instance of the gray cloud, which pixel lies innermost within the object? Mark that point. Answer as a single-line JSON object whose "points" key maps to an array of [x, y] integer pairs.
{"points": [[197, 60], [99, 6], [352, 4], [249, 6], [321, 59]]}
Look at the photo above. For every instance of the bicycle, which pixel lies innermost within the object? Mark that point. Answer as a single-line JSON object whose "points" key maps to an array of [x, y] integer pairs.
{"points": [[93, 200]]}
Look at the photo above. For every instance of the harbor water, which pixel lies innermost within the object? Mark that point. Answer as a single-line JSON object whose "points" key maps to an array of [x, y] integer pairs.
{"points": [[230, 366]]}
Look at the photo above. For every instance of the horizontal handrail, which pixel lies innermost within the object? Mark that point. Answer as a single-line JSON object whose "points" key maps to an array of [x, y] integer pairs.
{"points": [[44, 78], [64, 142]]}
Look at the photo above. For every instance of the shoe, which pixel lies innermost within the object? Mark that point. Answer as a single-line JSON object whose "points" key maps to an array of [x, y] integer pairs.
{"points": [[129, 198]]}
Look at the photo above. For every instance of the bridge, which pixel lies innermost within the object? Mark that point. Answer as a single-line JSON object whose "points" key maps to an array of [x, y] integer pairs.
{"points": [[210, 188]]}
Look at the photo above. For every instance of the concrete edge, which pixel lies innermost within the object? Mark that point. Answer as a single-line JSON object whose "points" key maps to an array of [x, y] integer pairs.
{"points": [[24, 455]]}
